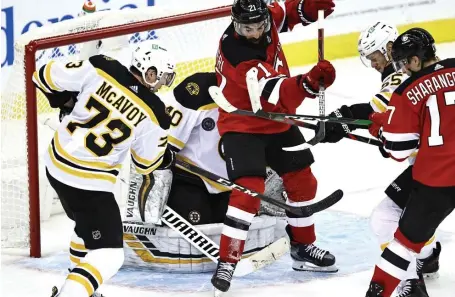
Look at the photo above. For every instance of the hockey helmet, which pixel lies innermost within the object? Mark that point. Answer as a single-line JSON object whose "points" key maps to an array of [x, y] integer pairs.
{"points": [[375, 38], [150, 54], [414, 42], [247, 12]]}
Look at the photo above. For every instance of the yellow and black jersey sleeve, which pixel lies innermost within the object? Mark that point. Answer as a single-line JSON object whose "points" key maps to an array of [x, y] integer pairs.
{"points": [[380, 101]]}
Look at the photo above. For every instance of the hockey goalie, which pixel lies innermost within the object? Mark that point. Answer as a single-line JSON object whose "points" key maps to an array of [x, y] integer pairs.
{"points": [[186, 200]]}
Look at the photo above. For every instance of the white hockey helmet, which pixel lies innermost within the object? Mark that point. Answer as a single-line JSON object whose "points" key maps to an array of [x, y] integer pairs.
{"points": [[150, 53], [375, 38]]}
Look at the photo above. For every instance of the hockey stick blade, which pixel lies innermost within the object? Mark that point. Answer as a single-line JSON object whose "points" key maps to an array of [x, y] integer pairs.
{"points": [[304, 211], [264, 257]]}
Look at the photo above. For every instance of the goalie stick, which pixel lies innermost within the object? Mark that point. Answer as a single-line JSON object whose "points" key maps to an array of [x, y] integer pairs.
{"points": [[304, 211]]}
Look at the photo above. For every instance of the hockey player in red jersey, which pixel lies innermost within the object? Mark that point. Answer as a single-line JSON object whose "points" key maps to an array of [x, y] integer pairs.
{"points": [[251, 42], [421, 114]]}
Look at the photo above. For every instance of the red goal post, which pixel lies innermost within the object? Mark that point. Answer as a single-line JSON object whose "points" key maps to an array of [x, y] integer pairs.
{"points": [[31, 106]]}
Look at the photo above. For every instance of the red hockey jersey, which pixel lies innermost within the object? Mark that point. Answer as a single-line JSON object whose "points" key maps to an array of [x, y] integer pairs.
{"points": [[279, 91], [422, 115]]}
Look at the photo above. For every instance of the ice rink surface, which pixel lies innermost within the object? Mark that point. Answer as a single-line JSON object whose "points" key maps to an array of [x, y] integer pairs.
{"points": [[356, 168]]}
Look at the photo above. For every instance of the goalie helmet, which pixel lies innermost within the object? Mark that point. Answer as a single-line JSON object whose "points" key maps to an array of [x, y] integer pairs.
{"points": [[375, 38], [414, 42], [150, 54], [246, 12]]}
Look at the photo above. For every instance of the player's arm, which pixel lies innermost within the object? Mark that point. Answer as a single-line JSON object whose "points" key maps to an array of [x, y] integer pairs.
{"points": [[287, 92], [400, 128], [183, 121], [61, 82], [149, 149], [287, 14]]}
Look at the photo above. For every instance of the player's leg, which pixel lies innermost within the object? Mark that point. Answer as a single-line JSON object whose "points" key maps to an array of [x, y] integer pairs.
{"points": [[245, 162], [300, 185], [218, 205], [189, 198], [384, 222], [426, 209], [99, 225]]}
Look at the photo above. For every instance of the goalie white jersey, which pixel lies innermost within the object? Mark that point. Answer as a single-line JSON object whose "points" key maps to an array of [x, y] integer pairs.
{"points": [[193, 126], [390, 81], [112, 114]]}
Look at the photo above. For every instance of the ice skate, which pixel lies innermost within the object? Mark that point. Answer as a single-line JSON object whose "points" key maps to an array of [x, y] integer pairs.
{"points": [[55, 293], [430, 265], [375, 290], [308, 257], [413, 288], [221, 279]]}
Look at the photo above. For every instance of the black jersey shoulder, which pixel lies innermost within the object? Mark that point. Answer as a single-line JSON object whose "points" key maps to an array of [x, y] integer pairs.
{"points": [[444, 64], [237, 49], [119, 73], [193, 91], [388, 70]]}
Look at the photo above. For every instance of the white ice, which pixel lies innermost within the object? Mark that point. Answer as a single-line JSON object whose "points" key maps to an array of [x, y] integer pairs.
{"points": [[355, 167]]}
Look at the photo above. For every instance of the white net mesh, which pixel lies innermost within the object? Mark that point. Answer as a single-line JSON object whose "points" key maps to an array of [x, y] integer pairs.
{"points": [[194, 45]]}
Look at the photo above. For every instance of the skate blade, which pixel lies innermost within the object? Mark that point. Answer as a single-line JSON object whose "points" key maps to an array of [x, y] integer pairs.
{"points": [[217, 293], [306, 266], [430, 276]]}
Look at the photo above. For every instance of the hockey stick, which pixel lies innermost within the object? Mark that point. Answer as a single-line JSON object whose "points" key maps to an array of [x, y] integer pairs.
{"points": [[211, 249], [217, 96], [351, 136], [320, 133], [304, 211]]}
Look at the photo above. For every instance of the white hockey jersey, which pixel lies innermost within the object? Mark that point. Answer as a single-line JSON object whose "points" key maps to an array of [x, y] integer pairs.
{"points": [[390, 82], [114, 115], [193, 126]]}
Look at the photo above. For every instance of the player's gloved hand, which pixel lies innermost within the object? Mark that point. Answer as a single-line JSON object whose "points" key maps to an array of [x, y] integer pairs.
{"points": [[168, 159], [334, 132], [308, 9], [322, 71], [378, 119], [64, 111]]}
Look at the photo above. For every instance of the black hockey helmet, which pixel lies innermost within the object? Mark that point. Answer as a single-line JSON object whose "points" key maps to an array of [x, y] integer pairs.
{"points": [[249, 12], [414, 42]]}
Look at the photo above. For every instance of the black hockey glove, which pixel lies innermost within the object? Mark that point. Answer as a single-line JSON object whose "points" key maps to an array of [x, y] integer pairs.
{"points": [[334, 132], [168, 159]]}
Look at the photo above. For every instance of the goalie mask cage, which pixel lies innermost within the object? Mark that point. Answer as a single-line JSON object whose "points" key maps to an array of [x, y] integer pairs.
{"points": [[193, 39]]}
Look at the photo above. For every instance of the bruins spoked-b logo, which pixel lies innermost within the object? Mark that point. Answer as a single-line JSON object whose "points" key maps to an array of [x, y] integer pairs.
{"points": [[208, 124], [192, 88], [194, 217], [96, 234]]}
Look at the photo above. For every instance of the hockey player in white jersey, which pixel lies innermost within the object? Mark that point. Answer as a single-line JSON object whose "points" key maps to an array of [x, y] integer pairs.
{"points": [[374, 46], [113, 112], [193, 135]]}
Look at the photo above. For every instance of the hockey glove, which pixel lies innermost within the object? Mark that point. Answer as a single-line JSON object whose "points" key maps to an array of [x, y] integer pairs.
{"points": [[322, 71], [378, 119], [308, 9], [334, 132]]}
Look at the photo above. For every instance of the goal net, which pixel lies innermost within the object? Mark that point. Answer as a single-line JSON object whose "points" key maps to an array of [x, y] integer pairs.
{"points": [[25, 133]]}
